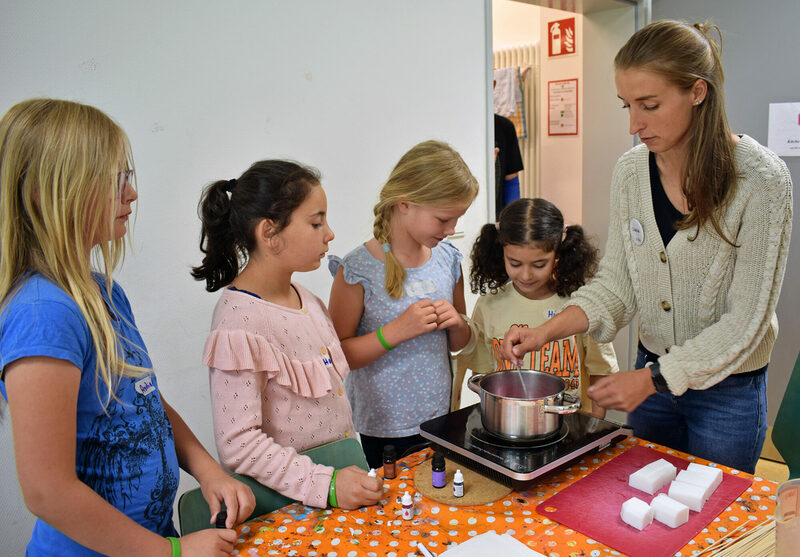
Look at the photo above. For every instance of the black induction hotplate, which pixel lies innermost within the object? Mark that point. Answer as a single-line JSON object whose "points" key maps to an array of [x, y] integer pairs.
{"points": [[463, 438]]}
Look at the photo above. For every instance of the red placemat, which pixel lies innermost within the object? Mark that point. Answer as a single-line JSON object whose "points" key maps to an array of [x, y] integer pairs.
{"points": [[592, 504]]}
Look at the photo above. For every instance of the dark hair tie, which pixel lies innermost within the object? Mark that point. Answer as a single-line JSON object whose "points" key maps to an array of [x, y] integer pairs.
{"points": [[230, 184]]}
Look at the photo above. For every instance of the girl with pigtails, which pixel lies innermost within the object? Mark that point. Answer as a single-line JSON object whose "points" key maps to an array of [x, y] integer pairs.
{"points": [[275, 362], [397, 301], [525, 267]]}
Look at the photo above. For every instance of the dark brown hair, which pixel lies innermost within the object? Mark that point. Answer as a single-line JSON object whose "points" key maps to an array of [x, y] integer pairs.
{"points": [[231, 209], [532, 221]]}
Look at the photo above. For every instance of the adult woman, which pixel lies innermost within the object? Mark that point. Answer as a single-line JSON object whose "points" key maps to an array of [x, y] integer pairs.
{"points": [[97, 448], [698, 240]]}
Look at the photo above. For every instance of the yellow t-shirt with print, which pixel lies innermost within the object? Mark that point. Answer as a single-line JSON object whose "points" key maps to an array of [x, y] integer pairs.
{"points": [[573, 358]]}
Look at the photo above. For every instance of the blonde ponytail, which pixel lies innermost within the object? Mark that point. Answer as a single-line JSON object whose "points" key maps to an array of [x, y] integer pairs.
{"points": [[395, 273]]}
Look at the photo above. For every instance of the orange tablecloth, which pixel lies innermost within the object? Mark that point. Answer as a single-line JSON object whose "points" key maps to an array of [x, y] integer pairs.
{"points": [[379, 530]]}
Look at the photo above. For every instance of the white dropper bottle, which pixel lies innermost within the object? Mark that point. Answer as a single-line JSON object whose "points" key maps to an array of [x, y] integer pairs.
{"points": [[458, 484], [408, 506]]}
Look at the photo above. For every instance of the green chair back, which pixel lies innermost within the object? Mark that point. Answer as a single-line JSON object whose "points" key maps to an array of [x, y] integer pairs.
{"points": [[193, 511], [786, 429]]}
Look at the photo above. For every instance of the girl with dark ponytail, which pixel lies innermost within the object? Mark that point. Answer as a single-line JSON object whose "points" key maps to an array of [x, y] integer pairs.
{"points": [[276, 365], [525, 267]]}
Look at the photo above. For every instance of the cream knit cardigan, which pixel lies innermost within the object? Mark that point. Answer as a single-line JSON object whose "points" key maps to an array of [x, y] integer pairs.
{"points": [[706, 307]]}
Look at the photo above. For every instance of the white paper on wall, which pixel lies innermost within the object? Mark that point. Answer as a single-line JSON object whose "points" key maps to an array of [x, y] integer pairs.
{"points": [[784, 129]]}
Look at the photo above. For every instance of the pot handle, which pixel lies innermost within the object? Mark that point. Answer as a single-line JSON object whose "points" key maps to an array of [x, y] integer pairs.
{"points": [[472, 382], [573, 406]]}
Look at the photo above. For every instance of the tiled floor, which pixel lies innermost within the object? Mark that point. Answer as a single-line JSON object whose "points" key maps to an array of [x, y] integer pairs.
{"points": [[771, 470]]}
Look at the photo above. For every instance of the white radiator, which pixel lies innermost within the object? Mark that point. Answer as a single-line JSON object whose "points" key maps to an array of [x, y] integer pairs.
{"points": [[525, 56]]}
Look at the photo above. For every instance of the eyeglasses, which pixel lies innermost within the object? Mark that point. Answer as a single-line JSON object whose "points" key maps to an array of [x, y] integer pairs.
{"points": [[123, 178]]}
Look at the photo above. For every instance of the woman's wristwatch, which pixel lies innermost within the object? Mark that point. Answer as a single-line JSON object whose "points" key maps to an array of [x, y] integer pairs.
{"points": [[658, 380]]}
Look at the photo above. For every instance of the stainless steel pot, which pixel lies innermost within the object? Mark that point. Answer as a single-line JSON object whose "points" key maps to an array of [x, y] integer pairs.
{"points": [[522, 404]]}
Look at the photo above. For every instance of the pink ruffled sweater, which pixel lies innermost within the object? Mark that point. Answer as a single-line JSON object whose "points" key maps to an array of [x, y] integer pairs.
{"points": [[277, 387]]}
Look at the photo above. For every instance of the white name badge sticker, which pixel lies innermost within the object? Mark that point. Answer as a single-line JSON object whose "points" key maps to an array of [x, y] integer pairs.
{"points": [[637, 232], [421, 288], [145, 386]]}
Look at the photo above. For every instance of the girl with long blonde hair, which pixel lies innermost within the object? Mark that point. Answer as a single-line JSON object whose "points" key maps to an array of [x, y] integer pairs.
{"points": [[97, 448], [397, 301]]}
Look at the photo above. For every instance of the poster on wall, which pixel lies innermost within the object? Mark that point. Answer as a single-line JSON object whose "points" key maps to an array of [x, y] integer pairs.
{"points": [[561, 37], [562, 107], [783, 136]]}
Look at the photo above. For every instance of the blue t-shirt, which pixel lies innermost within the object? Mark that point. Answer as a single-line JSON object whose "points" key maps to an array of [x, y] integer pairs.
{"points": [[411, 384], [125, 452]]}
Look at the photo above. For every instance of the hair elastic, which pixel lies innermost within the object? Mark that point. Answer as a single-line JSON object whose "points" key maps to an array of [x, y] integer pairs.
{"points": [[230, 184], [176, 546], [386, 247], [382, 340]]}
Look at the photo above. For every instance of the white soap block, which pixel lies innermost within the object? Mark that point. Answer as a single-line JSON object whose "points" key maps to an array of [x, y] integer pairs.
{"points": [[636, 512], [652, 477], [669, 511], [688, 494], [645, 480], [714, 473], [665, 468], [703, 481]]}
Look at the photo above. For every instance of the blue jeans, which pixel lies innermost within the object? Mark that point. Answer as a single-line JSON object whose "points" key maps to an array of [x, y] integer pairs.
{"points": [[726, 423]]}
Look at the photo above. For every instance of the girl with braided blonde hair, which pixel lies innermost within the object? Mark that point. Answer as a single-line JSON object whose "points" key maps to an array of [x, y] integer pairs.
{"points": [[397, 301]]}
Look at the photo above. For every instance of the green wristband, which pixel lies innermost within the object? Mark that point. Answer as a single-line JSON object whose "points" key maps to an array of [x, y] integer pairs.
{"points": [[332, 491], [382, 340], [176, 546]]}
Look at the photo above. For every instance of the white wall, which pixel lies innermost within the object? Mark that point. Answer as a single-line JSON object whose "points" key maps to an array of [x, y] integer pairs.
{"points": [[204, 89], [561, 169], [514, 23], [605, 136]]}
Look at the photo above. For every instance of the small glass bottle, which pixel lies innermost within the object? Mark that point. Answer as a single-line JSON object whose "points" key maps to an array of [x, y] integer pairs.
{"points": [[222, 518], [438, 474], [408, 506], [458, 484], [389, 464]]}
